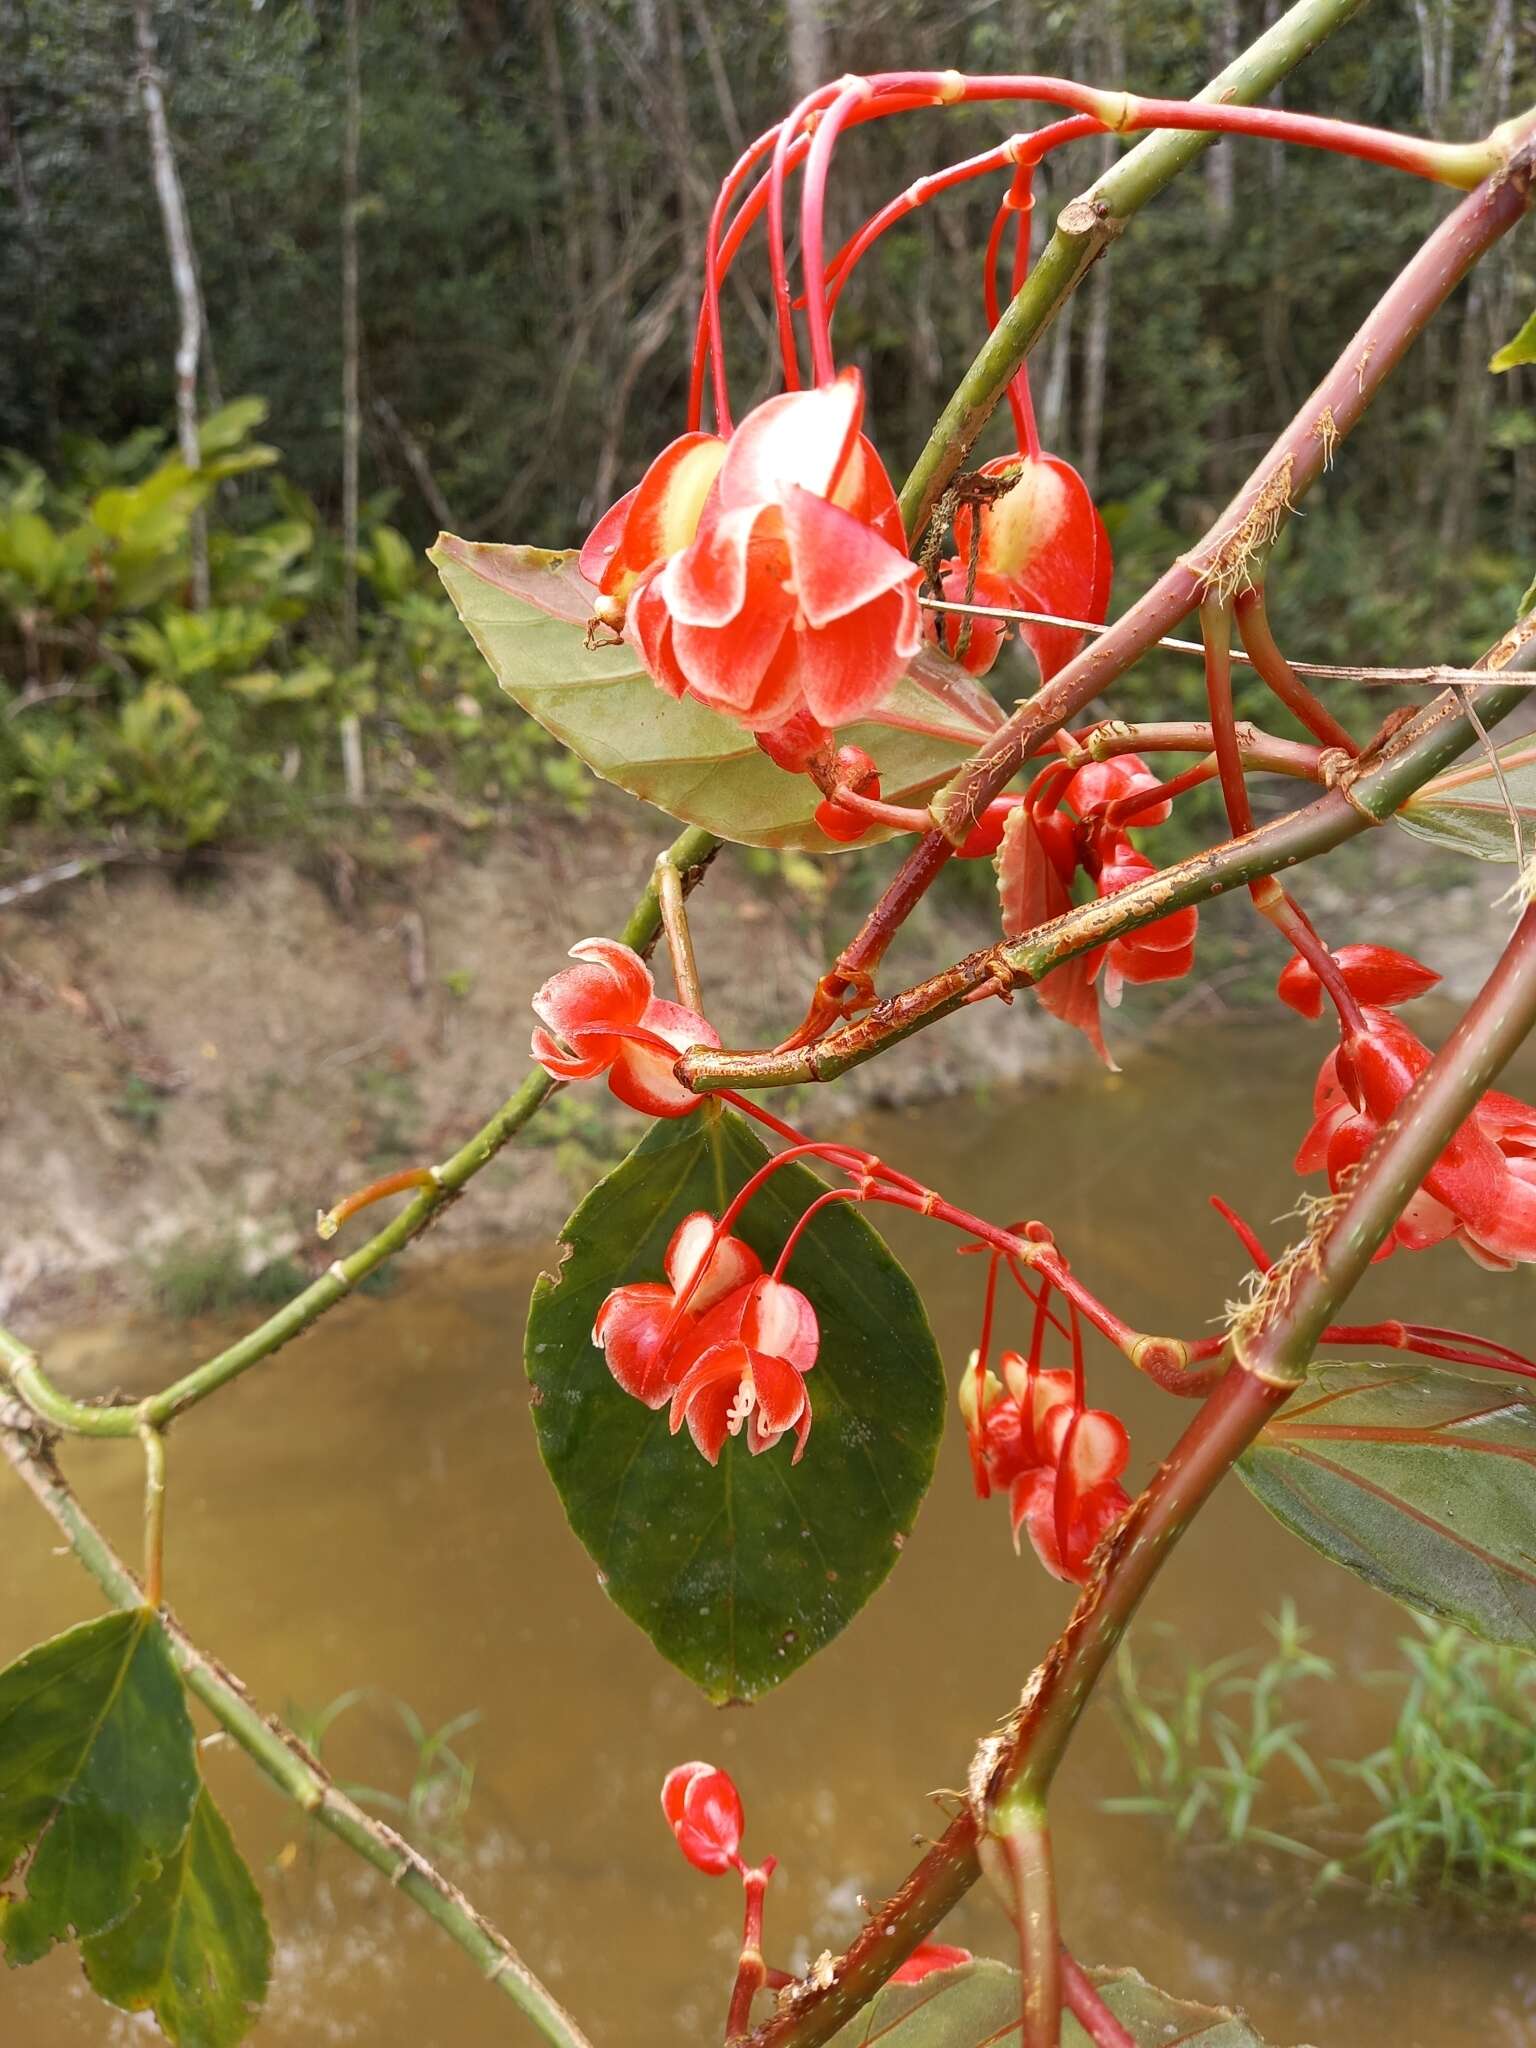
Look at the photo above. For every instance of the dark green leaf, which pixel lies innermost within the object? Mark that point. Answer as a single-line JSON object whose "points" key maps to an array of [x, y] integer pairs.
{"points": [[1466, 810], [528, 608], [195, 1949], [1421, 1480], [1521, 350], [742, 1571], [977, 2006], [97, 1778]]}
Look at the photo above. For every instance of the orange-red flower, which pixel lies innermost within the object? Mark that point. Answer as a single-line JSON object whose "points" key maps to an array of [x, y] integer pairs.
{"points": [[605, 1017], [651, 522], [649, 1332], [1042, 548], [1481, 1191], [927, 1957], [754, 1378], [703, 1810], [1060, 1461], [795, 595]]}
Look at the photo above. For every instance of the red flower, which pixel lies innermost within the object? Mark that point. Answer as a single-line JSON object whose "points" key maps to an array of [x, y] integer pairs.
{"points": [[703, 1810], [1373, 974], [1069, 1503], [1480, 1191], [856, 771], [651, 522], [751, 1376], [927, 1957], [634, 1321], [1060, 1462], [795, 595], [1154, 952], [1043, 548], [1098, 784], [608, 1015]]}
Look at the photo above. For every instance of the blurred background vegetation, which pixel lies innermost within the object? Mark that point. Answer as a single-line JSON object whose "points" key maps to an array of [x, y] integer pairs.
{"points": [[531, 183]]}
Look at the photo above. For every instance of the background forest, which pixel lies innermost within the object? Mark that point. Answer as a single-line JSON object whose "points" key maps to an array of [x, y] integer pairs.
{"points": [[529, 191]]}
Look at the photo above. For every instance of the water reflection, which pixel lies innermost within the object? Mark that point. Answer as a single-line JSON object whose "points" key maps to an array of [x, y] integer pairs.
{"points": [[388, 1524]]}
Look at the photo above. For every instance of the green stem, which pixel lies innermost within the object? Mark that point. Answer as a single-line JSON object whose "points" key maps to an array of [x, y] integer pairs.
{"points": [[154, 1514], [1085, 228], [1420, 751], [284, 1758], [687, 858]]}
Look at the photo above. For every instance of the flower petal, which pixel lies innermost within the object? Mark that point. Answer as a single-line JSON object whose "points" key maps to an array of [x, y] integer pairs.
{"points": [[837, 563], [732, 1264], [800, 437]]}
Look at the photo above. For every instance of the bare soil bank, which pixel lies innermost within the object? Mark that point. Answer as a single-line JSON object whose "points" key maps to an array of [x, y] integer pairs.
{"points": [[211, 1060]]}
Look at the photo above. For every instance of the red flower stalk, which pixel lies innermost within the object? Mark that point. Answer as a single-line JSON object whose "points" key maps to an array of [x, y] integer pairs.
{"points": [[794, 600], [751, 1376], [1041, 547], [605, 1017], [703, 1810], [647, 1341], [1482, 1189]]}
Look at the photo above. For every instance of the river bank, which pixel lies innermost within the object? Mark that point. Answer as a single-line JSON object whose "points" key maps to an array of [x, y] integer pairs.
{"points": [[193, 1062]]}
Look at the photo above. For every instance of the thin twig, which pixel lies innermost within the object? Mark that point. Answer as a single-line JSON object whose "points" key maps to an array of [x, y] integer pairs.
{"points": [[280, 1753]]}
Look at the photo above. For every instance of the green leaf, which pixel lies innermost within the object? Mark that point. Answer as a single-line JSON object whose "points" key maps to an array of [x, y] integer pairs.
{"points": [[1466, 811], [1521, 350], [97, 1778], [977, 2006], [1418, 1479], [195, 1949], [741, 1571], [527, 610]]}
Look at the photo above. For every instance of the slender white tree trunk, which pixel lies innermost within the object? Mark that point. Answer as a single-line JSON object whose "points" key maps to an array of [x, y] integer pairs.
{"points": [[351, 405], [807, 46], [178, 244]]}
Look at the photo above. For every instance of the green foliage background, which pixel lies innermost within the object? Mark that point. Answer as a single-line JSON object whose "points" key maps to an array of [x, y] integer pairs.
{"points": [[535, 180]]}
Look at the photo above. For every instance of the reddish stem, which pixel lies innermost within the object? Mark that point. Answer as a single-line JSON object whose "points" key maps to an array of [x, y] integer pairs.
{"points": [[1259, 643], [1088, 2009], [751, 1971], [813, 193]]}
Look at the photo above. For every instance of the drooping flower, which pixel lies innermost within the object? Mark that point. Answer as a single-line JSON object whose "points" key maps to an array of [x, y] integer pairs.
{"points": [[754, 1377], [1042, 847], [795, 595], [1161, 951], [928, 1957], [703, 1810], [643, 1333], [1061, 1462], [1373, 974], [1481, 1191], [650, 523], [1069, 1503], [605, 1017], [1042, 547]]}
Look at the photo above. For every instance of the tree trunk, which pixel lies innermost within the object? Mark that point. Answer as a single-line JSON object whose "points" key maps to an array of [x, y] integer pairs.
{"points": [[351, 402], [807, 46], [178, 244], [1096, 343], [1225, 42]]}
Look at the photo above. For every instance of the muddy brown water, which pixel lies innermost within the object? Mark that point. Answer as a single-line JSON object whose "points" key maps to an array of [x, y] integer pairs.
{"points": [[369, 1510]]}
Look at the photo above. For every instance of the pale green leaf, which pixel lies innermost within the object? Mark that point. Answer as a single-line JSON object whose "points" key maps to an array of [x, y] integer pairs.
{"points": [[978, 2005], [528, 611], [1522, 349], [1418, 1479]]}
